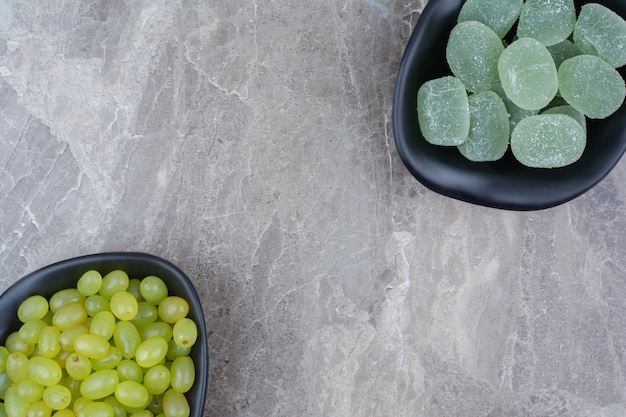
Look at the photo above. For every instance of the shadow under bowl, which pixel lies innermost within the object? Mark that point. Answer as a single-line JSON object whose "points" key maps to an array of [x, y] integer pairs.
{"points": [[65, 274], [503, 184]]}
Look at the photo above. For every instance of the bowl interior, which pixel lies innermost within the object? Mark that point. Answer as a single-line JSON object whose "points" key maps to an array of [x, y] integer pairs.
{"points": [[506, 183], [65, 274]]}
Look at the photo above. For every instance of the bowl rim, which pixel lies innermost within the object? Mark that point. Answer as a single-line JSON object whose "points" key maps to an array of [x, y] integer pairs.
{"points": [[105, 262], [503, 184]]}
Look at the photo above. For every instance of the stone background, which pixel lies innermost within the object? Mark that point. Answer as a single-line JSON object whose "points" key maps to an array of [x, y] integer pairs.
{"points": [[250, 142]]}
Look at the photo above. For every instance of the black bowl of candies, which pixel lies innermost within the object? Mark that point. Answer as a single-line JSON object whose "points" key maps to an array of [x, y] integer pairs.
{"points": [[110, 335], [513, 104]]}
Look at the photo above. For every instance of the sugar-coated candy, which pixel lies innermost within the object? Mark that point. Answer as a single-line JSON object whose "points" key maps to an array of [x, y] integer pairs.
{"points": [[548, 141], [499, 15], [563, 50], [548, 21], [528, 74], [443, 111], [488, 137], [570, 111], [591, 85], [472, 52], [600, 31]]}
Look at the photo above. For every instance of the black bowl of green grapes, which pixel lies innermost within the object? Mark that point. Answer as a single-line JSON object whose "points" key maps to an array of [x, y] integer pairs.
{"points": [[110, 335], [513, 104]]}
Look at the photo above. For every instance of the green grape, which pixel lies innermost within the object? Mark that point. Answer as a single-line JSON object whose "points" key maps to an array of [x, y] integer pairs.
{"points": [[183, 374], [110, 361], [68, 315], [34, 307], [174, 351], [44, 371], [124, 305], [103, 324], [158, 328], [5, 383], [128, 370], [157, 379], [132, 394], [29, 331], [185, 332], [95, 304], [13, 404], [3, 412], [38, 409], [29, 391], [79, 403], [49, 343], [96, 409], [156, 404], [151, 351], [175, 404], [16, 367], [4, 354], [78, 366], [62, 297], [142, 413], [134, 288], [118, 408], [92, 346], [113, 282], [89, 283], [153, 289], [127, 339], [172, 309], [73, 385], [99, 384], [15, 344], [146, 314], [67, 336], [66, 412], [57, 397]]}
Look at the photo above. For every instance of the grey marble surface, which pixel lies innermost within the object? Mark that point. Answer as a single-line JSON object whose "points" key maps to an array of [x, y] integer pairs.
{"points": [[250, 142]]}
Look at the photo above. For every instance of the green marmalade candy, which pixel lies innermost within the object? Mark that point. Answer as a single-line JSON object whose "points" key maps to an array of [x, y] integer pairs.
{"points": [[602, 32], [443, 111], [472, 53], [548, 21], [528, 74], [548, 141], [570, 111], [499, 15], [488, 137], [591, 85]]}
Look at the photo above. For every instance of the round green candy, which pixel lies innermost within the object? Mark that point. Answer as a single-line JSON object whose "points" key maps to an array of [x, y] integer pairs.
{"points": [[528, 74], [499, 15], [443, 111], [472, 53], [591, 85], [602, 32], [548, 141], [488, 137], [548, 21], [563, 50]]}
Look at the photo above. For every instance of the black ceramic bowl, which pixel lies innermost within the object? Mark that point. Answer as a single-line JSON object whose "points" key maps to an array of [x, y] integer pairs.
{"points": [[65, 274], [504, 184]]}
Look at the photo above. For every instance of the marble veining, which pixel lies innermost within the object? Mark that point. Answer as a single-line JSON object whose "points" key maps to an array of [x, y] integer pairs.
{"points": [[250, 142]]}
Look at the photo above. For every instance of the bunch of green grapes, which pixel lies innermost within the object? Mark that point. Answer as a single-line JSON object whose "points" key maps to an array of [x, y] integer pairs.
{"points": [[111, 347]]}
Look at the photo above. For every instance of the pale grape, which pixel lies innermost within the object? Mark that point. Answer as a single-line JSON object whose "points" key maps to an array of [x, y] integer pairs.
{"points": [[57, 397], [173, 308], [175, 404], [89, 283], [151, 351], [91, 346], [132, 394], [113, 282], [99, 384], [34, 307], [183, 374], [153, 289], [124, 305]]}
